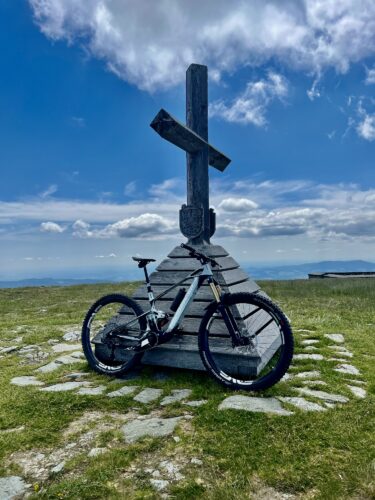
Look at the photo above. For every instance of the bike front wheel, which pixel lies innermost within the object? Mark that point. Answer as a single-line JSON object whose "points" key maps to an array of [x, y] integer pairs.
{"points": [[107, 319], [266, 348]]}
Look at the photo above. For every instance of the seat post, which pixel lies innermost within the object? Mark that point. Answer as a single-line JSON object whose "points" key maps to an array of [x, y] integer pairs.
{"points": [[146, 275], [149, 288]]}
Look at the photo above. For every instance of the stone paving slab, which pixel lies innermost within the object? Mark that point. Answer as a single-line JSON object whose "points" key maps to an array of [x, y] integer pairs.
{"points": [[314, 382], [253, 404], [74, 357], [26, 381], [64, 386], [357, 391], [65, 347], [325, 396], [358, 382], [335, 337], [148, 395], [92, 391], [196, 403], [123, 391], [176, 396], [12, 487], [72, 336], [308, 374], [341, 351], [347, 369], [302, 404], [316, 357], [153, 427]]}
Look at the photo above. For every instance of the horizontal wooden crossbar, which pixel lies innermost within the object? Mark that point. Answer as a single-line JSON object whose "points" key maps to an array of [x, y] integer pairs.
{"points": [[178, 134]]}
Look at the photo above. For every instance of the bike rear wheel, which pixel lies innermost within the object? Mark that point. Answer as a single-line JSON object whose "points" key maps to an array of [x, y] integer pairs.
{"points": [[105, 352], [268, 343]]}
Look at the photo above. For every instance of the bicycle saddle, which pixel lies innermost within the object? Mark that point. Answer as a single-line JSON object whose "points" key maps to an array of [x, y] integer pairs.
{"points": [[142, 262]]}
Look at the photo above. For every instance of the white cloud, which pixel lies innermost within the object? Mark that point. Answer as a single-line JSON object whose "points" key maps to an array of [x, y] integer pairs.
{"points": [[251, 105], [51, 227], [245, 208], [237, 205], [130, 188], [49, 191], [81, 229], [146, 225], [363, 121], [150, 44], [370, 76], [93, 211], [168, 187], [314, 92], [366, 127]]}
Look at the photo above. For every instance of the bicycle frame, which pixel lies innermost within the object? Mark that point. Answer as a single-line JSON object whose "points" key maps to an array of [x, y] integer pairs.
{"points": [[199, 276]]}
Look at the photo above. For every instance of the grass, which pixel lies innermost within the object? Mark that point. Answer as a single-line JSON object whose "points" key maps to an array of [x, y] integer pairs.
{"points": [[314, 455]]}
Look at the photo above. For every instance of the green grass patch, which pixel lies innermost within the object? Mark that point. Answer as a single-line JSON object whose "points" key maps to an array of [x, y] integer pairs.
{"points": [[317, 455]]}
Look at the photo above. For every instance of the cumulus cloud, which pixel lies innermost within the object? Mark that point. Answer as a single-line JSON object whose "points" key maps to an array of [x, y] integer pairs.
{"points": [[246, 209], [237, 205], [51, 227], [150, 44], [144, 226], [81, 229], [285, 222], [251, 105]]}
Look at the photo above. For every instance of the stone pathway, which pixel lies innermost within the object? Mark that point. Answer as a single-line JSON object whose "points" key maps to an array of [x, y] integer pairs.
{"points": [[306, 382], [310, 399]]}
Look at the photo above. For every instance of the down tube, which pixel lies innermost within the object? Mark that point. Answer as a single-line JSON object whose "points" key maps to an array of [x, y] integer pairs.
{"points": [[182, 308]]}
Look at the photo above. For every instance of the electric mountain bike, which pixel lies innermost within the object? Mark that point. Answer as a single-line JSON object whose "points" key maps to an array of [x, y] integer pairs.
{"points": [[245, 340]]}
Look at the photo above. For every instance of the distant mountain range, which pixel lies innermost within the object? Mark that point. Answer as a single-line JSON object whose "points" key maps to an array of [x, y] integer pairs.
{"points": [[301, 271], [50, 282], [286, 272]]}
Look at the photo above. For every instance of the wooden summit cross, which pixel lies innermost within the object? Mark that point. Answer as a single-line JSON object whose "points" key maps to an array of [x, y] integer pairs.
{"points": [[197, 223], [197, 220]]}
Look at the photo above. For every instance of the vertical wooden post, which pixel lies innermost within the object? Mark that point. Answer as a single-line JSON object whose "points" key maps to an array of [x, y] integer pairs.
{"points": [[197, 163]]}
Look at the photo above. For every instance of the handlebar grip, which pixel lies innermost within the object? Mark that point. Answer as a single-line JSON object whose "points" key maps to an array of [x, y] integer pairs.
{"points": [[187, 247], [199, 255]]}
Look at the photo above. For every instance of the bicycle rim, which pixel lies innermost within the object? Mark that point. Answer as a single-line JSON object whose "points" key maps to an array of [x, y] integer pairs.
{"points": [[267, 349]]}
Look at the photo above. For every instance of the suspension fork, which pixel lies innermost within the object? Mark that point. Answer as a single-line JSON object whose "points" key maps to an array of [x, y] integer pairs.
{"points": [[226, 313]]}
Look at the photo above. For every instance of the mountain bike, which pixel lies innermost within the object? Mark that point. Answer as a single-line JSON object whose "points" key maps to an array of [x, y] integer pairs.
{"points": [[244, 340]]}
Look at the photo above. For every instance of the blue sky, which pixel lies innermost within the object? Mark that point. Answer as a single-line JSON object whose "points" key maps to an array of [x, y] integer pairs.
{"points": [[86, 182]]}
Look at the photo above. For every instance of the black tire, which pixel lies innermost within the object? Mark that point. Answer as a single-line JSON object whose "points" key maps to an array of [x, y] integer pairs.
{"points": [[97, 361], [214, 340]]}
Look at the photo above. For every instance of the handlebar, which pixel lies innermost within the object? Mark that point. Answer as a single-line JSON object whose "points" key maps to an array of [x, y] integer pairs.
{"points": [[200, 256]]}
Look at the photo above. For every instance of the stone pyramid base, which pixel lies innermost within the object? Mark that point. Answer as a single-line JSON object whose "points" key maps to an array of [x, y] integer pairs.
{"points": [[182, 350]]}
